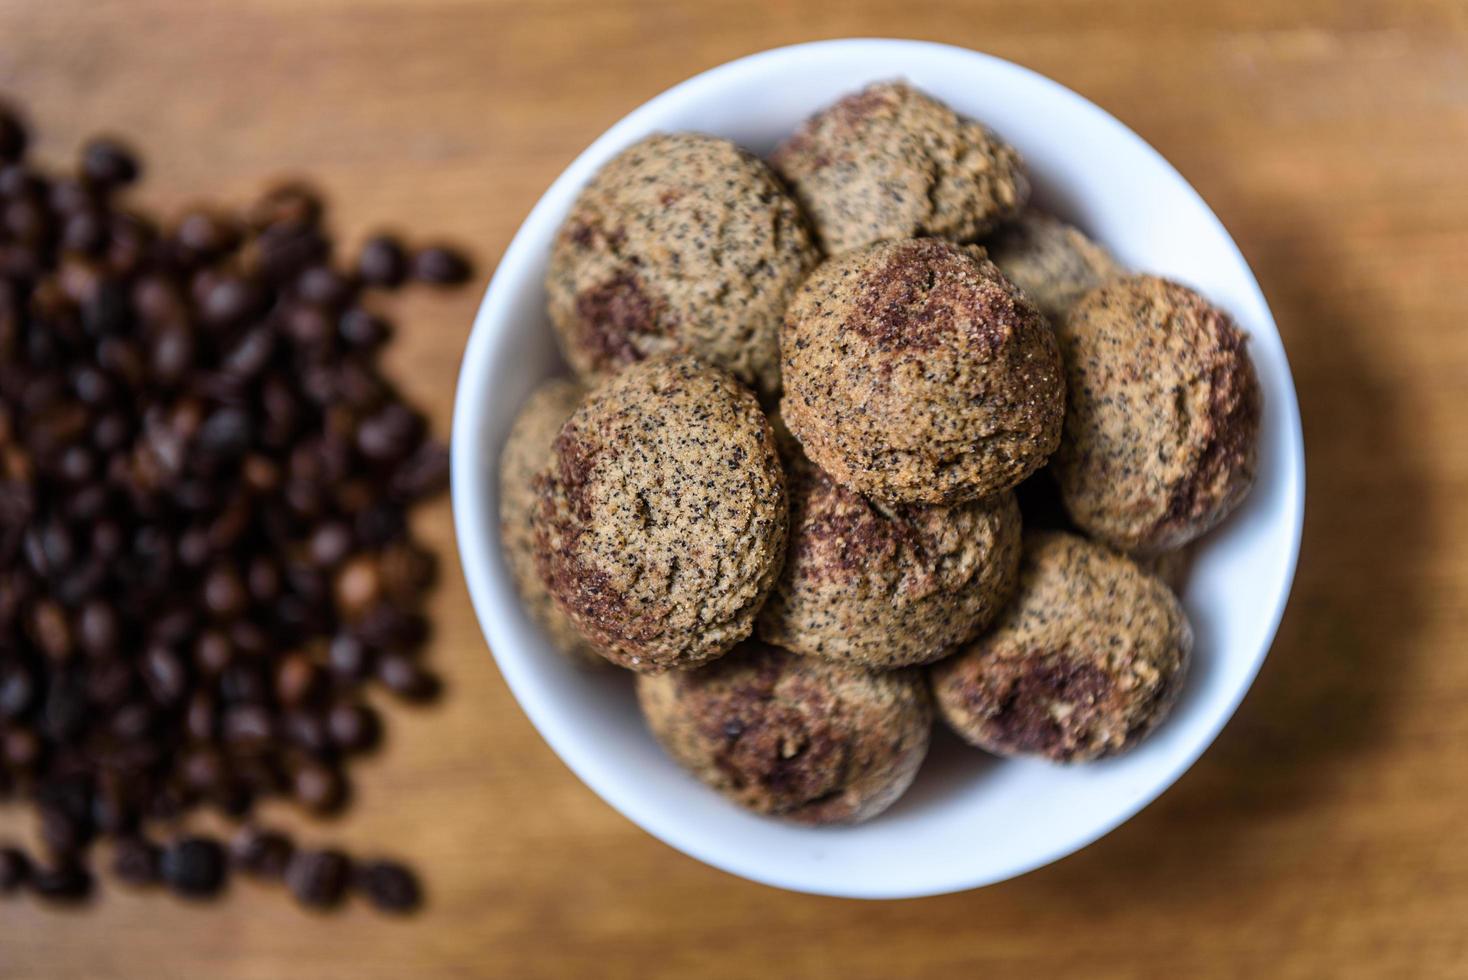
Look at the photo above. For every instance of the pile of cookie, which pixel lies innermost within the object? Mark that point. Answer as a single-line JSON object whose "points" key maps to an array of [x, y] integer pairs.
{"points": [[782, 486]]}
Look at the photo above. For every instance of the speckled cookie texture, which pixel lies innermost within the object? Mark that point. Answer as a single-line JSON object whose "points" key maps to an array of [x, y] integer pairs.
{"points": [[890, 162], [1161, 433], [916, 373], [1084, 663], [1053, 263], [660, 523], [682, 243], [527, 451], [797, 737], [884, 586]]}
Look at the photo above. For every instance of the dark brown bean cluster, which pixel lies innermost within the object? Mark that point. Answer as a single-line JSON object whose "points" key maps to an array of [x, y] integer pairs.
{"points": [[204, 553]]}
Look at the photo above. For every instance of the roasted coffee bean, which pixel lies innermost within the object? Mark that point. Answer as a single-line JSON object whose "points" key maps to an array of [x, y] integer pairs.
{"points": [[66, 881], [194, 867], [353, 727], [318, 788], [137, 861], [383, 262], [318, 878], [389, 886], [13, 137], [15, 867], [204, 484], [403, 676], [107, 163], [441, 265], [262, 853]]}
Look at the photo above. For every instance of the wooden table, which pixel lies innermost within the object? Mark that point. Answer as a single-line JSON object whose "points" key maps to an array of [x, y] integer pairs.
{"points": [[1323, 835]]}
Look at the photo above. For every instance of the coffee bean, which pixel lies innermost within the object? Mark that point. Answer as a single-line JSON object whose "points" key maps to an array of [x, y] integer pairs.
{"points": [[137, 861], [194, 867], [262, 853], [331, 542], [64, 881], [404, 677], [441, 265], [389, 886], [362, 330], [207, 234], [318, 788], [296, 679], [15, 867], [204, 483], [353, 727], [99, 629], [12, 136], [107, 163], [318, 878]]}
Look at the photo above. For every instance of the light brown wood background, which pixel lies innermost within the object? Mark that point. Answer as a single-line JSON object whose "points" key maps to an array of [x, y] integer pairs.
{"points": [[1325, 834]]}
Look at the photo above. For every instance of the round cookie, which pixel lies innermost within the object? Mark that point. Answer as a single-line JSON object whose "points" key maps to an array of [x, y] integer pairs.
{"points": [[891, 162], [1087, 659], [1162, 428], [916, 373], [681, 243], [1050, 261], [527, 451], [796, 737], [886, 586], [660, 523]]}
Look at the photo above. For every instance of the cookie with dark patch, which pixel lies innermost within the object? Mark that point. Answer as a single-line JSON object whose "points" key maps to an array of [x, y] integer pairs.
{"points": [[884, 586], [916, 373], [682, 243], [527, 451], [660, 522], [1162, 425], [1084, 663], [795, 737], [890, 162], [1053, 263]]}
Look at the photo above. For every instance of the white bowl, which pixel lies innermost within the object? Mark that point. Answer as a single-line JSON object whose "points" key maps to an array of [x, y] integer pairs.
{"points": [[970, 819]]}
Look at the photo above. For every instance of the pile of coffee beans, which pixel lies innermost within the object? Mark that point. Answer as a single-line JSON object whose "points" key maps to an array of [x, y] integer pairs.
{"points": [[205, 560]]}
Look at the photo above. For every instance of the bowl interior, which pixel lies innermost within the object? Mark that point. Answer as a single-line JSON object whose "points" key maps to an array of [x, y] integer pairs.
{"points": [[970, 819]]}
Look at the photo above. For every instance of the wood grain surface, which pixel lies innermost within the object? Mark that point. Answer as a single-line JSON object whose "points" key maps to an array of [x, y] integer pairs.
{"points": [[1322, 836]]}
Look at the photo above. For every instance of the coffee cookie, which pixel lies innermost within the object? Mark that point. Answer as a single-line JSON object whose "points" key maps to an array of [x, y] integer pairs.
{"points": [[1086, 660], [890, 162], [1050, 261], [660, 523], [1162, 424], [682, 243], [793, 736], [916, 373], [883, 586], [527, 451]]}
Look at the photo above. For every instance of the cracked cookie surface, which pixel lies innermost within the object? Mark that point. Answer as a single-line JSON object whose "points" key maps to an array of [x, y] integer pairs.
{"points": [[792, 736], [916, 373], [886, 586], [681, 243], [891, 162], [660, 523], [1162, 419], [527, 451], [1086, 660]]}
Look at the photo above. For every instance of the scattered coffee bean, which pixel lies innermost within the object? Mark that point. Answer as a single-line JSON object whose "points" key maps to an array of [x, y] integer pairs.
{"points": [[441, 265], [194, 867], [262, 853], [204, 550], [15, 867], [389, 886], [319, 878], [136, 861], [65, 881]]}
